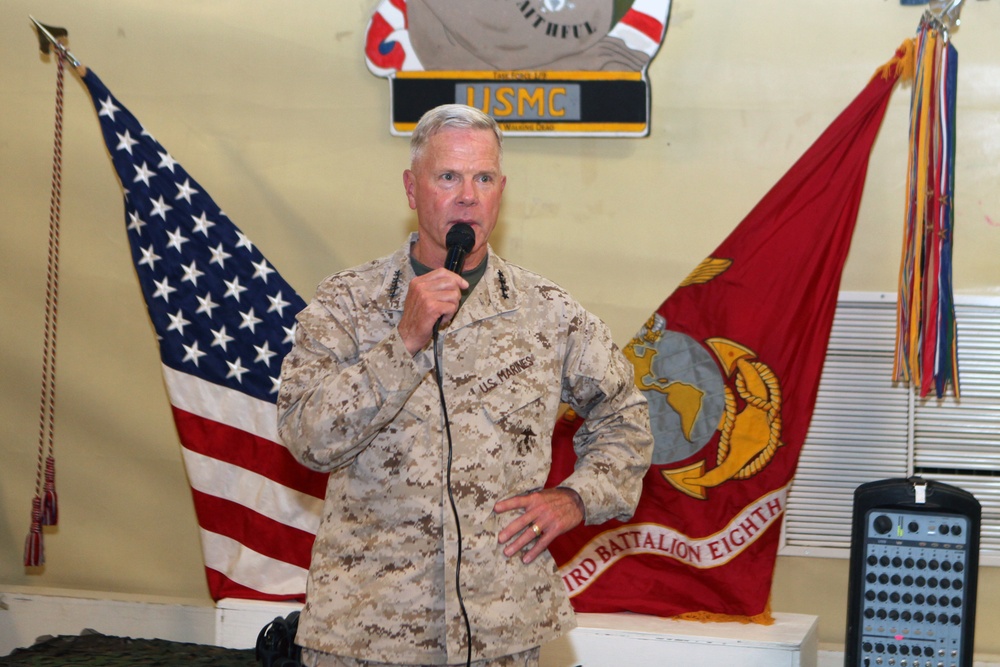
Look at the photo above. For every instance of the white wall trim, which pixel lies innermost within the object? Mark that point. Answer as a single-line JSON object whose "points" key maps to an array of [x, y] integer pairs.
{"points": [[29, 613]]}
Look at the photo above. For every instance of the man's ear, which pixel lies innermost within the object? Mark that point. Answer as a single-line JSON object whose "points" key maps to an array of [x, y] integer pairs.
{"points": [[410, 185]]}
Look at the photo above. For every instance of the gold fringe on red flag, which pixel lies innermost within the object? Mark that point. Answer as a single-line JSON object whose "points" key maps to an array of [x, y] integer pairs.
{"points": [[903, 63], [763, 618]]}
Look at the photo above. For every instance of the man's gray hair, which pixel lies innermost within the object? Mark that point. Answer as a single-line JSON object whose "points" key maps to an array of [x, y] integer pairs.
{"points": [[455, 116]]}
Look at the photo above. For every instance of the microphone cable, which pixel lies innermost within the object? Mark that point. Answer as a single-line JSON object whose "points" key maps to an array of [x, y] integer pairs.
{"points": [[451, 500]]}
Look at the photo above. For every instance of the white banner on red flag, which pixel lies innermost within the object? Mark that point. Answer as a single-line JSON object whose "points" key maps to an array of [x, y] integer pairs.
{"points": [[652, 538]]}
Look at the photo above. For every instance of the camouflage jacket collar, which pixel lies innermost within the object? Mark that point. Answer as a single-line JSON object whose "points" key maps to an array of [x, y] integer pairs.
{"points": [[495, 294]]}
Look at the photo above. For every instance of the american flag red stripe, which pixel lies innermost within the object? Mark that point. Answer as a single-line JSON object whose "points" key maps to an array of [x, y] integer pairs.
{"points": [[252, 490], [254, 530], [271, 578], [227, 588], [255, 454]]}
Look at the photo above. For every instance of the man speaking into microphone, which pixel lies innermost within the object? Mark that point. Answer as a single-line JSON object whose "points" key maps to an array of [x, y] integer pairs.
{"points": [[428, 382]]}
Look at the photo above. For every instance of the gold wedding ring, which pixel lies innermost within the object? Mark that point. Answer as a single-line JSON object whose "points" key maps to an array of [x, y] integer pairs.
{"points": [[538, 531]]}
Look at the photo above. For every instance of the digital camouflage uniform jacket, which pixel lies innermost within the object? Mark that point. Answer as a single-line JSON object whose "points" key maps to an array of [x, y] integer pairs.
{"points": [[355, 402]]}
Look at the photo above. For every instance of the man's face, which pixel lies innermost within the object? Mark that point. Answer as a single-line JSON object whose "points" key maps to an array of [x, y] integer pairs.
{"points": [[456, 178]]}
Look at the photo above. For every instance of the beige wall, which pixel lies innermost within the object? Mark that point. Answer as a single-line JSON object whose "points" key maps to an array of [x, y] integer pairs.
{"points": [[269, 105]]}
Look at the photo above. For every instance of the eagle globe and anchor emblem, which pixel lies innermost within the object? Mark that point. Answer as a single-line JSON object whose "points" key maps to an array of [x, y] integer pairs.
{"points": [[691, 396]]}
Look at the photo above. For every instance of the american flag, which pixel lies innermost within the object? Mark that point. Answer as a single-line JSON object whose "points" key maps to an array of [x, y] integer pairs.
{"points": [[224, 320]]}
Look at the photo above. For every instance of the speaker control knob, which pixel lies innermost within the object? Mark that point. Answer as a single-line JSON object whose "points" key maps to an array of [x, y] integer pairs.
{"points": [[883, 524]]}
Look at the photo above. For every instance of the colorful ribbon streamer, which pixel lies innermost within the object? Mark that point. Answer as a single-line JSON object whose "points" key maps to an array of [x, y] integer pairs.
{"points": [[926, 333]]}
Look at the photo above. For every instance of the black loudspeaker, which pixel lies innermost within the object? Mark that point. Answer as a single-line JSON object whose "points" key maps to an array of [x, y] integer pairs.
{"points": [[914, 567]]}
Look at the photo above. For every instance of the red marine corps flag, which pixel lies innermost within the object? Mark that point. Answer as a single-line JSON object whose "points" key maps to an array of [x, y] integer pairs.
{"points": [[730, 364]]}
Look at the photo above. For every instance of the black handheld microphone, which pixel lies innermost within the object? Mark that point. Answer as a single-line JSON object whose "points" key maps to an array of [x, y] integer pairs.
{"points": [[460, 240]]}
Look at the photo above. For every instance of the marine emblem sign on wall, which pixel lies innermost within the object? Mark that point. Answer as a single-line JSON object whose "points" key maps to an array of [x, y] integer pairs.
{"points": [[540, 67]]}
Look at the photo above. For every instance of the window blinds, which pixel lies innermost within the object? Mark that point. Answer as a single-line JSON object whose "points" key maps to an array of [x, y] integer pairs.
{"points": [[866, 428]]}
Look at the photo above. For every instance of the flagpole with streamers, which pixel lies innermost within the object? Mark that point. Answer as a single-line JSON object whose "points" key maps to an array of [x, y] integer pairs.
{"points": [[926, 330]]}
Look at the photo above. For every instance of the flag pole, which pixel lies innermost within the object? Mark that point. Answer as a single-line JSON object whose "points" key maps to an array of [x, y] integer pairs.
{"points": [[945, 18]]}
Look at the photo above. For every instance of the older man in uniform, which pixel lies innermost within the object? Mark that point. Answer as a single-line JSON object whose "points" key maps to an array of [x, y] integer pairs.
{"points": [[433, 543]]}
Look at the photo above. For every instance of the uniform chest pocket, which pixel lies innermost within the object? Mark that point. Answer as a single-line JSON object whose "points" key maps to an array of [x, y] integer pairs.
{"points": [[520, 424], [516, 393]]}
